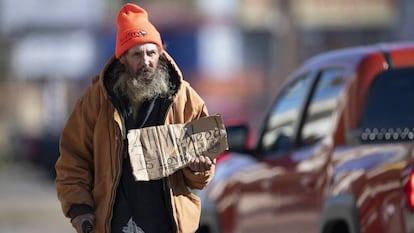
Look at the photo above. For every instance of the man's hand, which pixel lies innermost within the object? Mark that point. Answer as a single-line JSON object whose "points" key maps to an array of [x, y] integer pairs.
{"points": [[78, 222], [201, 164]]}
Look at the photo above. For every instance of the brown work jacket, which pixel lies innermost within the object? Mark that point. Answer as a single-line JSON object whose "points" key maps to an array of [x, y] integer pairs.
{"points": [[91, 149]]}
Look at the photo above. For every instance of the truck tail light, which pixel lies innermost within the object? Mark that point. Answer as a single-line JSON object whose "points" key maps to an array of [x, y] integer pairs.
{"points": [[222, 157], [409, 189]]}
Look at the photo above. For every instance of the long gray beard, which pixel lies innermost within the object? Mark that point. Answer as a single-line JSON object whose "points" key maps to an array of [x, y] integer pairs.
{"points": [[138, 89]]}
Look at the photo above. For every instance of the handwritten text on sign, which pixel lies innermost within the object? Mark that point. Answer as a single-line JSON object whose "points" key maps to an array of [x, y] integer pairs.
{"points": [[159, 151]]}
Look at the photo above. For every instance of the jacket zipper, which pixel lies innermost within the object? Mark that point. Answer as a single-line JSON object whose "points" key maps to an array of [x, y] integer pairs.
{"points": [[166, 181], [119, 144], [115, 178]]}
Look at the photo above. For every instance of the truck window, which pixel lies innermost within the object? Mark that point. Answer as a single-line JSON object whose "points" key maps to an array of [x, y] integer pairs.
{"points": [[281, 124], [388, 107], [318, 120]]}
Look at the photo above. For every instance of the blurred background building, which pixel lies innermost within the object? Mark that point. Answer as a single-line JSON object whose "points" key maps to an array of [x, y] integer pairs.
{"points": [[234, 52]]}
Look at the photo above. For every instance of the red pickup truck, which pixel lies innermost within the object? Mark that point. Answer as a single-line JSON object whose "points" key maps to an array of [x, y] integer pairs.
{"points": [[335, 153]]}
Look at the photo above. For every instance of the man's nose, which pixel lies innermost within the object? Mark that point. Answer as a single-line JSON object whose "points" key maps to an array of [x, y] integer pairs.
{"points": [[147, 61]]}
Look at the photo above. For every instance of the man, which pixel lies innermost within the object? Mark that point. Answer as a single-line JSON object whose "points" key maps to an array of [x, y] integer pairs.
{"points": [[140, 86]]}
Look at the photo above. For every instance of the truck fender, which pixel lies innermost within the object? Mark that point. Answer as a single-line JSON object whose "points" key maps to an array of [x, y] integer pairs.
{"points": [[341, 208]]}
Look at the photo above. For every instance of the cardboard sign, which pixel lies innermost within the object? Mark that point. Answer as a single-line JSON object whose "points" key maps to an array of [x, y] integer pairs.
{"points": [[159, 151]]}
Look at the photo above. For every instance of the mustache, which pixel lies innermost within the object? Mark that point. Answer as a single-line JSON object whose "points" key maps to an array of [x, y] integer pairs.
{"points": [[145, 70]]}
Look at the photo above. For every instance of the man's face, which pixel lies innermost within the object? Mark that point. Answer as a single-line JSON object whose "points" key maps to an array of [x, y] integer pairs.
{"points": [[141, 75], [142, 60]]}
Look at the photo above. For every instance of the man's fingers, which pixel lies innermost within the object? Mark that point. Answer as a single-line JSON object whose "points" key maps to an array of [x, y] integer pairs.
{"points": [[201, 163], [207, 162], [194, 164]]}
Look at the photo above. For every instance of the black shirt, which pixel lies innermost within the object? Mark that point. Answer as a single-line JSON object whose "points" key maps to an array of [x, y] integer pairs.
{"points": [[144, 205]]}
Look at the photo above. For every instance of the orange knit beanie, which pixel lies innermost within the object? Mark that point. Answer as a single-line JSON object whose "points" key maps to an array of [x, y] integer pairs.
{"points": [[134, 28]]}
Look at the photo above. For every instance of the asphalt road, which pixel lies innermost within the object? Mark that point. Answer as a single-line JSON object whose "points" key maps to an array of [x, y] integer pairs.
{"points": [[28, 201]]}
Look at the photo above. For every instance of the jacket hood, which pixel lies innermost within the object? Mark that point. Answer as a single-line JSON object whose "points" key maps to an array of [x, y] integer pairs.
{"points": [[107, 76]]}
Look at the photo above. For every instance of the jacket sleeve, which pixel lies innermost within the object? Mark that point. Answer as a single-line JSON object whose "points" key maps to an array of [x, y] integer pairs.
{"points": [[74, 167], [197, 180]]}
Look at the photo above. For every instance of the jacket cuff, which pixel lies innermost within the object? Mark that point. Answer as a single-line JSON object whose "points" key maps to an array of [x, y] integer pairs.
{"points": [[79, 209]]}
